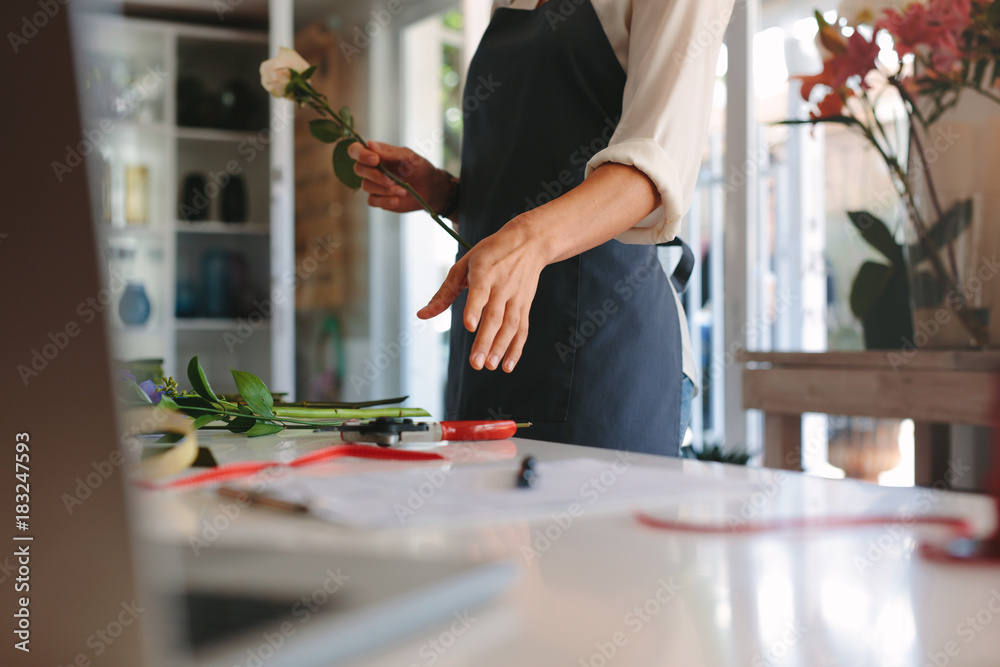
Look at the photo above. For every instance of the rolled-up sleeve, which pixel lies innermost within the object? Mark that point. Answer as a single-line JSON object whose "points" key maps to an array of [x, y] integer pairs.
{"points": [[673, 52]]}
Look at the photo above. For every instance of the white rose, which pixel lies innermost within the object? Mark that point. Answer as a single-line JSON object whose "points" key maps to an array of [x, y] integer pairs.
{"points": [[868, 11], [274, 75]]}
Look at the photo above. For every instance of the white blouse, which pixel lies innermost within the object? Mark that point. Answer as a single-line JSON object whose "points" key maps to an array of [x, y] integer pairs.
{"points": [[669, 50]]}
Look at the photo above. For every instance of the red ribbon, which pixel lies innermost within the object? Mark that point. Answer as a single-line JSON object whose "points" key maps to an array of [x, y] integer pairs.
{"points": [[959, 526], [243, 469]]}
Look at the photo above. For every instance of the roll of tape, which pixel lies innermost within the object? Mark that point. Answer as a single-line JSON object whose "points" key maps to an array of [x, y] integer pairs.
{"points": [[178, 457]]}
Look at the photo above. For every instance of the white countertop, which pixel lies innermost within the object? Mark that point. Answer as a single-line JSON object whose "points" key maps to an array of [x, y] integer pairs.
{"points": [[606, 590]]}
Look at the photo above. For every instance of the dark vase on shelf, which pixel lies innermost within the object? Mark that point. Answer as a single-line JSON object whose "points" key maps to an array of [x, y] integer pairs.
{"points": [[187, 299], [134, 307], [217, 288], [197, 106], [240, 106], [233, 201], [194, 204]]}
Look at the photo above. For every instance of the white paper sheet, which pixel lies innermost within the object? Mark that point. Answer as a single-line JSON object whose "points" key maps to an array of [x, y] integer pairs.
{"points": [[483, 493]]}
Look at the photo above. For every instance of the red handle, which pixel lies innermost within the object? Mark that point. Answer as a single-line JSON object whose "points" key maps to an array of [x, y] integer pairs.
{"points": [[483, 430]]}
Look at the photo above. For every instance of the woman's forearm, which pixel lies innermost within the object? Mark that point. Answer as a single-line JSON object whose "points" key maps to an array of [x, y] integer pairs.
{"points": [[613, 199]]}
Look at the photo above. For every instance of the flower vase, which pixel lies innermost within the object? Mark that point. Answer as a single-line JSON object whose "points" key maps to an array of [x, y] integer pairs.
{"points": [[958, 202], [864, 447], [134, 307]]}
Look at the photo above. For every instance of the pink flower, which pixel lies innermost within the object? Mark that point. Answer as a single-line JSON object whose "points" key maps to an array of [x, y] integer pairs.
{"points": [[911, 29], [856, 59], [831, 105], [954, 16], [859, 59], [934, 31]]}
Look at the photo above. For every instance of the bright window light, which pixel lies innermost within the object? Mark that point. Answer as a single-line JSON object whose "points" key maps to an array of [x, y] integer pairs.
{"points": [[770, 70], [805, 30]]}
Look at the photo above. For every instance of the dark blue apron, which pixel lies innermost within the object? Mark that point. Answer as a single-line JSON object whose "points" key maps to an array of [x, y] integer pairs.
{"points": [[602, 363]]}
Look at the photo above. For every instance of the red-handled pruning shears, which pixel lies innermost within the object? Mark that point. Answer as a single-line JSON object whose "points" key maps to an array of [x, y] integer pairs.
{"points": [[387, 432]]}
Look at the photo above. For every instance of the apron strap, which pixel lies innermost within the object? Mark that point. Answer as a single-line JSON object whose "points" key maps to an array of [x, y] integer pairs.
{"points": [[685, 267]]}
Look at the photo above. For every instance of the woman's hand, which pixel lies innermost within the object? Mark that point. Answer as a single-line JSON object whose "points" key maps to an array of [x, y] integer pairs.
{"points": [[430, 183], [501, 273]]}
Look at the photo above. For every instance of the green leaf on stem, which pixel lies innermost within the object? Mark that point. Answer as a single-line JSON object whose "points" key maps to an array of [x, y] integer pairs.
{"points": [[264, 428], [878, 236], [256, 394], [325, 130], [196, 376], [346, 116], [343, 165], [167, 403], [205, 420], [242, 424], [308, 73], [946, 230], [195, 406], [869, 285]]}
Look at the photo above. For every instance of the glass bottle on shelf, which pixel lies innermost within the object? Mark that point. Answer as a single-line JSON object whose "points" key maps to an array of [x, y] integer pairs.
{"points": [[136, 194]]}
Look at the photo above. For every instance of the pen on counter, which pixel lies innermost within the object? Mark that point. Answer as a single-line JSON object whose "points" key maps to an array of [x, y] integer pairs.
{"points": [[263, 500], [527, 476]]}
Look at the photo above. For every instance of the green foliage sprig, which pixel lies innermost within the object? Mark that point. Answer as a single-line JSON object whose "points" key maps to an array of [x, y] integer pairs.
{"points": [[257, 414]]}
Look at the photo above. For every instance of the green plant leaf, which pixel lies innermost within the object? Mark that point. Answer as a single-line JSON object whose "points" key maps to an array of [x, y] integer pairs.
{"points": [[878, 236], [869, 285], [926, 290], [345, 115], [343, 165], [131, 393], [716, 454], [196, 376], [242, 424], [952, 223], [325, 130], [186, 403], [264, 428], [204, 420], [346, 406], [840, 120], [256, 394], [167, 403], [889, 324], [308, 73]]}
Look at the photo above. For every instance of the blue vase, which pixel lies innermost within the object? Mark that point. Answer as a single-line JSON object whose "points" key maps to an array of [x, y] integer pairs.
{"points": [[133, 307], [216, 276], [187, 299]]}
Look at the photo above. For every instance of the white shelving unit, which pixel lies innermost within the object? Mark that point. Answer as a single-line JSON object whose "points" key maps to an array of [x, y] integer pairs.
{"points": [[133, 73]]}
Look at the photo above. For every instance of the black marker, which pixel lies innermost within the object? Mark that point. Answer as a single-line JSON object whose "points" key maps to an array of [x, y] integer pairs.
{"points": [[527, 476]]}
